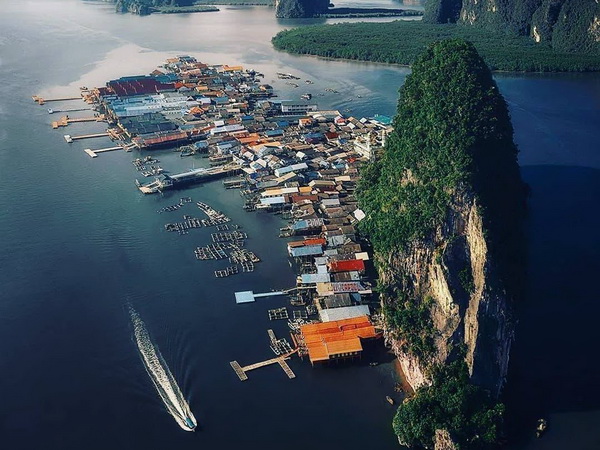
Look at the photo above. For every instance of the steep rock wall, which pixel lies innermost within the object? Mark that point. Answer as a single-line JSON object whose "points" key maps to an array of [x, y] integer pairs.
{"points": [[469, 305], [569, 25]]}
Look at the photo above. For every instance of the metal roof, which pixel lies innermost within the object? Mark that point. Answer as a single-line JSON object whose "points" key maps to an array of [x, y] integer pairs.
{"points": [[346, 312], [306, 251]]}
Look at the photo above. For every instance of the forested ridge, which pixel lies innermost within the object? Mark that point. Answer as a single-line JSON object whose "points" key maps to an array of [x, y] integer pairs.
{"points": [[400, 42]]}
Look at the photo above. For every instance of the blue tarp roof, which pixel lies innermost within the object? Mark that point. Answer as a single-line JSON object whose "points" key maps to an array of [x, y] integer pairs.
{"points": [[271, 133], [167, 78], [307, 250], [308, 223], [311, 278]]}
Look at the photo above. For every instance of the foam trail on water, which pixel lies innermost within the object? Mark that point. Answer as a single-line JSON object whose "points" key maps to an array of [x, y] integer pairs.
{"points": [[161, 376]]}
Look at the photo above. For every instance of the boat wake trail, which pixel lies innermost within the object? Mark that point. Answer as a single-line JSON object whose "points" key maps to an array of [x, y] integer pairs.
{"points": [[161, 376]]}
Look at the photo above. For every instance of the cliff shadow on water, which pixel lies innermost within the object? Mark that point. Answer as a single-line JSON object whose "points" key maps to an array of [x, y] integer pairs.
{"points": [[554, 365]]}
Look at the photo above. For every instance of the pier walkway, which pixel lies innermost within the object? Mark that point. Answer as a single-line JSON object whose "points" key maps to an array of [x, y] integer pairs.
{"points": [[94, 153], [40, 100], [250, 296], [65, 121], [241, 371], [70, 138]]}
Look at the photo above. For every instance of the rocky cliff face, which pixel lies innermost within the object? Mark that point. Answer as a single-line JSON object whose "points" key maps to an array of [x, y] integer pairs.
{"points": [[455, 269], [569, 25], [444, 206], [292, 9]]}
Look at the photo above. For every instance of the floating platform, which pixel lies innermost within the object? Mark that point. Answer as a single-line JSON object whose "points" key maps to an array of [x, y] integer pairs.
{"points": [[241, 371], [278, 314], [250, 296]]}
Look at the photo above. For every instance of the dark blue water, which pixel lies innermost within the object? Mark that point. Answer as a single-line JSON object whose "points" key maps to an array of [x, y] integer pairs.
{"points": [[78, 242]]}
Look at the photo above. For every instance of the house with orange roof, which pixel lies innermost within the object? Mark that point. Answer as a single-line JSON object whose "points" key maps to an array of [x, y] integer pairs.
{"points": [[335, 340]]}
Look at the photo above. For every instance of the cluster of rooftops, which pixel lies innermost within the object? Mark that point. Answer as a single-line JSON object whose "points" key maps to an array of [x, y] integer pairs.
{"points": [[186, 101], [295, 159]]}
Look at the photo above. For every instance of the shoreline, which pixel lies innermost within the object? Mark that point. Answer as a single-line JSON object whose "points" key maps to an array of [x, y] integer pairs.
{"points": [[370, 41], [408, 66]]}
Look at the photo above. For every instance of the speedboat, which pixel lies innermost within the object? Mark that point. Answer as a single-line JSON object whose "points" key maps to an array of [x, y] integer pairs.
{"points": [[191, 424]]}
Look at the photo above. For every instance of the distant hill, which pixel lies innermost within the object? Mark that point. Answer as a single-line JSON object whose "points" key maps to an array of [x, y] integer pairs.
{"points": [[567, 25], [291, 9], [144, 7]]}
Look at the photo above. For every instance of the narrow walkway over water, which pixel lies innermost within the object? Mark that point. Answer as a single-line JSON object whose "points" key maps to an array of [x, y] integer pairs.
{"points": [[241, 371]]}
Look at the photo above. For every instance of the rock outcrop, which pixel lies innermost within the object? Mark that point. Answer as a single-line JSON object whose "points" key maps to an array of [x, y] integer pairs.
{"points": [[444, 207], [443, 441], [469, 307], [293, 9], [144, 7], [568, 25]]}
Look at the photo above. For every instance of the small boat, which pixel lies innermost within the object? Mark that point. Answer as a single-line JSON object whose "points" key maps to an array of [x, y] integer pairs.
{"points": [[542, 425], [306, 96], [190, 423], [373, 364], [389, 399]]}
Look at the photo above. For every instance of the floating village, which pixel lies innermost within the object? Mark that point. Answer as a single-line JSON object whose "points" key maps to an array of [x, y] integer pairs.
{"points": [[285, 157]]}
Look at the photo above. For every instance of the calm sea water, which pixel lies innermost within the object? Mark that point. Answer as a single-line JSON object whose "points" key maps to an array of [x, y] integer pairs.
{"points": [[78, 242]]}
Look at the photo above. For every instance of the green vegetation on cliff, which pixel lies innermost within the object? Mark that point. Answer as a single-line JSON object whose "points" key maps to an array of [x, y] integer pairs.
{"points": [[412, 324], [400, 42], [452, 143], [451, 403], [566, 25], [452, 129]]}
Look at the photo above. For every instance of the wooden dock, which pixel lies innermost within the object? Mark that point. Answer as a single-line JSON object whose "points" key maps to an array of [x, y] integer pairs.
{"points": [[65, 121], [94, 153], [250, 296], [286, 368], [241, 371], [70, 138], [40, 100], [238, 370]]}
